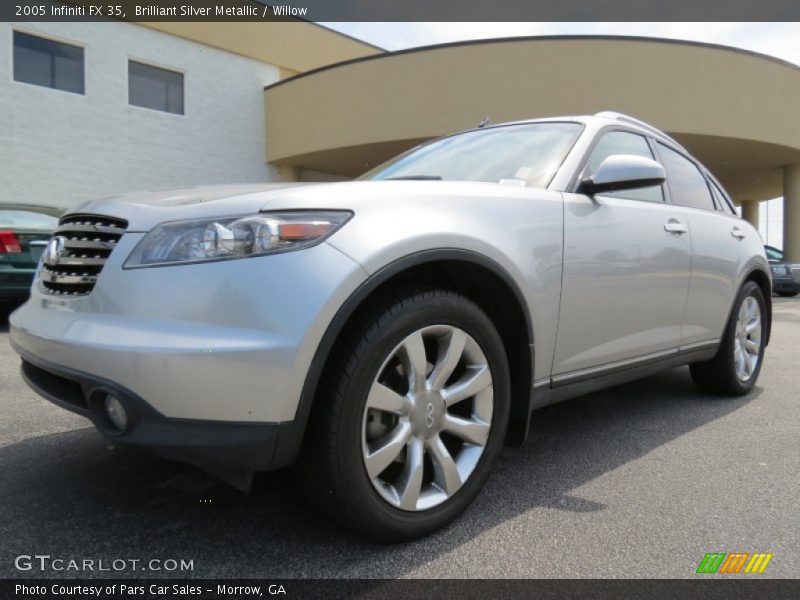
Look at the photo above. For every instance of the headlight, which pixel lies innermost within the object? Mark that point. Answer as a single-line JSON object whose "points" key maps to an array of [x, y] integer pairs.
{"points": [[780, 270], [204, 240]]}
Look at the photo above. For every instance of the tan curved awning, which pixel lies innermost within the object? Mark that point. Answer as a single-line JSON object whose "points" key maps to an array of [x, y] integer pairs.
{"points": [[738, 112]]}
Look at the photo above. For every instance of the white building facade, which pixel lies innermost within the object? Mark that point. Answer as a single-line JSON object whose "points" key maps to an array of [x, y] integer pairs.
{"points": [[204, 123]]}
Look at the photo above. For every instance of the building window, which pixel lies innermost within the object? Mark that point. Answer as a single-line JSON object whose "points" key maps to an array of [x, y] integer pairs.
{"points": [[48, 63], [156, 88]]}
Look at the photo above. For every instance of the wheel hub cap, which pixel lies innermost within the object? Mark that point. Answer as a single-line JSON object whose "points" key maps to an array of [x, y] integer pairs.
{"points": [[426, 415]]}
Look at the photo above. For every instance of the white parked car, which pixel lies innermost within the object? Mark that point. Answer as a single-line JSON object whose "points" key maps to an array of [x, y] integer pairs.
{"points": [[389, 334]]}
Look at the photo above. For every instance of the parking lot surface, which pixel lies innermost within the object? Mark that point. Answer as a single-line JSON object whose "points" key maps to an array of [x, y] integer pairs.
{"points": [[636, 481]]}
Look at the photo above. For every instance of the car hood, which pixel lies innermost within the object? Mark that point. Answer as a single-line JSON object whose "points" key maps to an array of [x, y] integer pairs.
{"points": [[145, 210]]}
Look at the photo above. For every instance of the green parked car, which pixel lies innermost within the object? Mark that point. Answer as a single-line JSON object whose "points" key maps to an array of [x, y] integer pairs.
{"points": [[24, 233]]}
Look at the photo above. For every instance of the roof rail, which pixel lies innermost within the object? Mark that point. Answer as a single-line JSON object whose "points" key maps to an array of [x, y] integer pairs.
{"points": [[610, 114]]}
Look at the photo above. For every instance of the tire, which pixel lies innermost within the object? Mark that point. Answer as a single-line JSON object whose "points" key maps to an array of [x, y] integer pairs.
{"points": [[721, 375], [347, 434], [788, 294]]}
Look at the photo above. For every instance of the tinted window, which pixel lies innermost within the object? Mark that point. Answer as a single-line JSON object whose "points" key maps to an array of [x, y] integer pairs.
{"points": [[687, 184], [522, 155], [47, 63], [152, 87], [26, 220], [721, 199], [623, 142], [773, 253]]}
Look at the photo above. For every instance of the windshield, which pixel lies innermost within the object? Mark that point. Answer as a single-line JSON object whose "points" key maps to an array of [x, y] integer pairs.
{"points": [[773, 253], [521, 155], [26, 220]]}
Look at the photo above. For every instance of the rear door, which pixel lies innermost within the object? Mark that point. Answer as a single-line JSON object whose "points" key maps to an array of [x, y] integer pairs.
{"points": [[719, 239], [626, 270]]}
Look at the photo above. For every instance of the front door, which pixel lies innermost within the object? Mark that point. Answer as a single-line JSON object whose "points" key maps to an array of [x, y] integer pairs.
{"points": [[627, 260]]}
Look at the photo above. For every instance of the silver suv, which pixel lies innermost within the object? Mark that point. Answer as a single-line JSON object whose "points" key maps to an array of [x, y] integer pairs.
{"points": [[389, 334]]}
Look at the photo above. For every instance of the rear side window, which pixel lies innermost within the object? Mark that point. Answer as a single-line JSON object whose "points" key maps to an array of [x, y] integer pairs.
{"points": [[686, 182], [721, 199], [624, 142]]}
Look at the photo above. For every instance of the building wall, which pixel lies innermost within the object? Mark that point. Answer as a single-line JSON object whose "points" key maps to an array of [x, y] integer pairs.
{"points": [[61, 148]]}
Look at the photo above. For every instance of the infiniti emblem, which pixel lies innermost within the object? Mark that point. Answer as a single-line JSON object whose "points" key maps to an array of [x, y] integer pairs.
{"points": [[54, 250], [429, 415]]}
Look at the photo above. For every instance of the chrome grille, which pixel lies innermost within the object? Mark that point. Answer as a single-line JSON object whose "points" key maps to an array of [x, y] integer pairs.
{"points": [[72, 269], [796, 274]]}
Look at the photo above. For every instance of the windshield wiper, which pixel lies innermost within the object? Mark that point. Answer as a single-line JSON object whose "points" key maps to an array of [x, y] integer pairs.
{"points": [[417, 178]]}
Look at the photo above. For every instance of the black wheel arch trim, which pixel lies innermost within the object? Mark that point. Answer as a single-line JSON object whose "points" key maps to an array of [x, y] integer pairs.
{"points": [[291, 437], [767, 297]]}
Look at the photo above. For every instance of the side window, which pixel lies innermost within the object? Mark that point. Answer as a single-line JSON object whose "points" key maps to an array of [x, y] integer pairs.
{"points": [[623, 142], [687, 184]]}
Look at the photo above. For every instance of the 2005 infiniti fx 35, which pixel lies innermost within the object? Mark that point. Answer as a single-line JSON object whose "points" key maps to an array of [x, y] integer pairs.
{"points": [[389, 334]]}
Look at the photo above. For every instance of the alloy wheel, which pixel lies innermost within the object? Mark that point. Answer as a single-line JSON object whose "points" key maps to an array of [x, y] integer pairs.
{"points": [[427, 417], [747, 342]]}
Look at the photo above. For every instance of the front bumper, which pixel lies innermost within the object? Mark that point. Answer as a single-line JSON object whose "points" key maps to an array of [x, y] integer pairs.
{"points": [[212, 357], [217, 446], [784, 284]]}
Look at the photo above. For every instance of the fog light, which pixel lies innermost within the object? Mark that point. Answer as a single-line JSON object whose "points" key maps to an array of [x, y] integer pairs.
{"points": [[116, 412]]}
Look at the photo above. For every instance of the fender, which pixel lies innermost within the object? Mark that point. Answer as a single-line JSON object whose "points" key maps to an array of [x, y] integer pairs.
{"points": [[291, 433]]}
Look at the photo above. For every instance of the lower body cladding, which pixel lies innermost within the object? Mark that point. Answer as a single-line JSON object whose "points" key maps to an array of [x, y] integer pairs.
{"points": [[188, 380]]}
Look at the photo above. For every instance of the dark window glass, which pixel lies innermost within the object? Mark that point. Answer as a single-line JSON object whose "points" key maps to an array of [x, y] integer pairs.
{"points": [[152, 87], [721, 199], [47, 63], [623, 142], [687, 184]]}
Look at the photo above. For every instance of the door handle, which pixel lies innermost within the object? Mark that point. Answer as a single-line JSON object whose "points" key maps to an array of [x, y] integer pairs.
{"points": [[738, 233], [673, 226]]}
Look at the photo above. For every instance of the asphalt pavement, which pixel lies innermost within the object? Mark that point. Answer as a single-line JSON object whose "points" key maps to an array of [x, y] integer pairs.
{"points": [[639, 480]]}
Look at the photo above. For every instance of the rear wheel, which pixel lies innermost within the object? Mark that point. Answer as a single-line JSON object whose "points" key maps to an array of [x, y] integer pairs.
{"points": [[788, 294], [411, 414], [736, 366]]}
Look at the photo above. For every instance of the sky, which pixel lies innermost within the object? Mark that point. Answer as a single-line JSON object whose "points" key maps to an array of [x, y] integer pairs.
{"points": [[781, 40]]}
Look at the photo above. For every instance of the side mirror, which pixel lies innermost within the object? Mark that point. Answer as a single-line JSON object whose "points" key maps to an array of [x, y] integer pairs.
{"points": [[623, 172]]}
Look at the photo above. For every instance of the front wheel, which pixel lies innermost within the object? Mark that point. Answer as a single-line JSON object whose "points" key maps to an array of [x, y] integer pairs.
{"points": [[411, 414], [736, 366]]}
